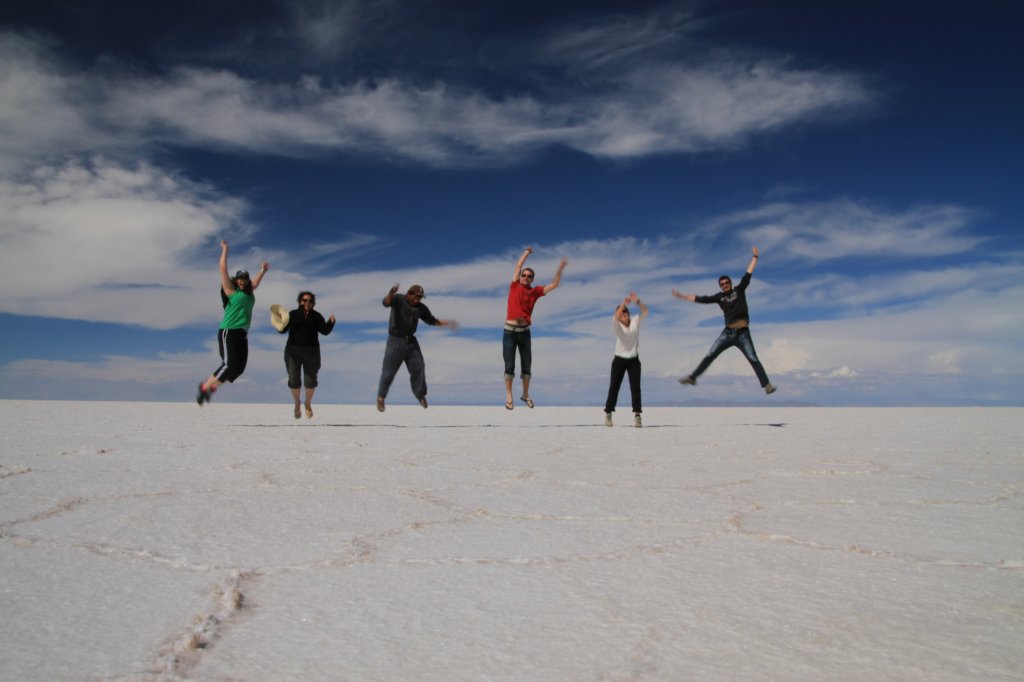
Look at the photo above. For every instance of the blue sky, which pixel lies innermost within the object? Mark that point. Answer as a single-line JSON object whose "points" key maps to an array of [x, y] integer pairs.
{"points": [[872, 152]]}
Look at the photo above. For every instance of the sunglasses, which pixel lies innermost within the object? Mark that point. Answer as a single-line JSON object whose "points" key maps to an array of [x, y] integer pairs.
{"points": [[526, 275], [306, 300]]}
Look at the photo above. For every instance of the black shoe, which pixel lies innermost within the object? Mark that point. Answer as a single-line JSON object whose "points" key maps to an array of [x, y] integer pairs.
{"points": [[688, 380], [423, 402], [203, 396]]}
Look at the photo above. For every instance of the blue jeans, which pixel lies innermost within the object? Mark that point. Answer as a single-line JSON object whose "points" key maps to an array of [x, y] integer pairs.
{"points": [[509, 343], [740, 338], [400, 350]]}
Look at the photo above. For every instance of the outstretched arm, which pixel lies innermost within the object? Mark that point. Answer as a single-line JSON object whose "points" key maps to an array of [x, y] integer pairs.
{"points": [[452, 325], [686, 297], [520, 263], [264, 266], [558, 277], [753, 262], [390, 295], [225, 280]]}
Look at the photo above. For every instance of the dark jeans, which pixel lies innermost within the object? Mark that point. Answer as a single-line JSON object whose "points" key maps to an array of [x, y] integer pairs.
{"points": [[620, 366], [233, 345], [739, 338], [509, 343], [401, 350], [304, 361]]}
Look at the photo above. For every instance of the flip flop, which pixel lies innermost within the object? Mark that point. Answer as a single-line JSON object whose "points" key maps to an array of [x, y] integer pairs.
{"points": [[509, 405], [309, 412], [529, 403]]}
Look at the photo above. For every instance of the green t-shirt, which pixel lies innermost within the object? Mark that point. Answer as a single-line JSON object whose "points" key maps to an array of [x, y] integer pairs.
{"points": [[238, 311]]}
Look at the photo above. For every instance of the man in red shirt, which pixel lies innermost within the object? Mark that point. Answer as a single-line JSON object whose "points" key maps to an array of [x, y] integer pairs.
{"points": [[522, 296]]}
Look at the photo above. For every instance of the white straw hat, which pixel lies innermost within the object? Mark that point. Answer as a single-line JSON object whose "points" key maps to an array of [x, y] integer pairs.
{"points": [[278, 317]]}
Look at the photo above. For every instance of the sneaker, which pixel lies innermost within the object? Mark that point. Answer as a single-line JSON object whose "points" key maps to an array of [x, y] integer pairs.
{"points": [[769, 389], [423, 402], [607, 418], [380, 404], [203, 396], [637, 422], [688, 380]]}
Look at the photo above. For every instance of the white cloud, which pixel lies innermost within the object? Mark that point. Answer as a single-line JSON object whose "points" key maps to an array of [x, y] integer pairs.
{"points": [[842, 228], [643, 109], [41, 110], [110, 243]]}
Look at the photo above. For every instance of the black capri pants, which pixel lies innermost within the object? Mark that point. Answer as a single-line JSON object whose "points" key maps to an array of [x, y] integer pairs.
{"points": [[302, 362]]}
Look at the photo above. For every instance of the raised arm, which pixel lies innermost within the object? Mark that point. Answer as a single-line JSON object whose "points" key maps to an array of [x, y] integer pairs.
{"points": [[327, 326], [225, 280], [753, 262], [520, 263], [264, 266], [624, 304], [643, 308], [390, 295], [558, 277]]}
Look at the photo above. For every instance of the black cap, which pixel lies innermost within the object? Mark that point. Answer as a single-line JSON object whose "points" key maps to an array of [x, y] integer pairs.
{"points": [[242, 273]]}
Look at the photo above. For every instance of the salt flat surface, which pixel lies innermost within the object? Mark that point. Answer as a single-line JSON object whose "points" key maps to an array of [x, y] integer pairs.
{"points": [[165, 541]]}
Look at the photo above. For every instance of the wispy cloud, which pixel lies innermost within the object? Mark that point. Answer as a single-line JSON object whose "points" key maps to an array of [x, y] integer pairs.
{"points": [[822, 231], [642, 108]]}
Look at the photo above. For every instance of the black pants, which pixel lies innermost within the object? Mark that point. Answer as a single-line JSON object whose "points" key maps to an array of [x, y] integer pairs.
{"points": [[233, 345], [398, 351], [303, 364], [620, 366]]}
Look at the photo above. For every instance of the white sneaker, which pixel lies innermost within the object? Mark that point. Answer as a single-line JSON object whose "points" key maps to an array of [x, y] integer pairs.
{"points": [[607, 418], [637, 422]]}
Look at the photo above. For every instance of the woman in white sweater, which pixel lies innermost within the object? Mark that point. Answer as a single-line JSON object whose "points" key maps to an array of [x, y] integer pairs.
{"points": [[627, 358]]}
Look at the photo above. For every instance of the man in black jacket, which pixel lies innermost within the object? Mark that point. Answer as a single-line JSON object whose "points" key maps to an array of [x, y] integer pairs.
{"points": [[733, 302]]}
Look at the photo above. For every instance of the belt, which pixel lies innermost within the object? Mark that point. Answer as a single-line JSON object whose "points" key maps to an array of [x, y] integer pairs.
{"points": [[408, 339], [514, 328]]}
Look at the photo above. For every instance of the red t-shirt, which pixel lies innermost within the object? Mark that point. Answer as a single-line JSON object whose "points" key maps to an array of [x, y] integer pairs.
{"points": [[521, 301]]}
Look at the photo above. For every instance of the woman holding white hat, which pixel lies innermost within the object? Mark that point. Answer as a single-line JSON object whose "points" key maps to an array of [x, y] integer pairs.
{"points": [[302, 351]]}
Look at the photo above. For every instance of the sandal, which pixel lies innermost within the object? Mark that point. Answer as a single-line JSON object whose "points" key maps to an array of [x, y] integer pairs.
{"points": [[309, 412], [509, 405], [529, 403]]}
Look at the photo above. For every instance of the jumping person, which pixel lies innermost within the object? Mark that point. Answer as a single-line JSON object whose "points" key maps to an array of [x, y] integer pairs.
{"points": [[302, 351], [627, 358], [233, 336], [402, 347], [733, 302], [522, 296]]}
